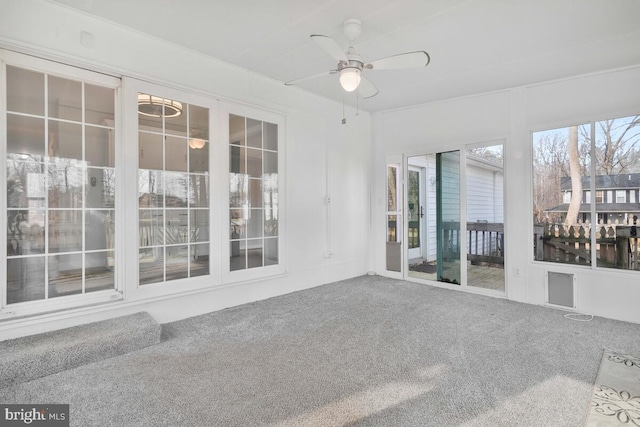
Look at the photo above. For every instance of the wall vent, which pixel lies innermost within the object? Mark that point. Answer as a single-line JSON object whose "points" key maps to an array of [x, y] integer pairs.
{"points": [[561, 290]]}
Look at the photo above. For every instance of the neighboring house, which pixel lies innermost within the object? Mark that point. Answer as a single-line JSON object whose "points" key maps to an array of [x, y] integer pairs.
{"points": [[616, 197]]}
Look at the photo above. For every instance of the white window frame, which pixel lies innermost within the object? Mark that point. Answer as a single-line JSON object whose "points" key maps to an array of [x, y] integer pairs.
{"points": [[135, 291], [71, 301], [257, 273], [621, 196]]}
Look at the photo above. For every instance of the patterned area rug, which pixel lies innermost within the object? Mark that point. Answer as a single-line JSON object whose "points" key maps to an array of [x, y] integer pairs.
{"points": [[616, 394]]}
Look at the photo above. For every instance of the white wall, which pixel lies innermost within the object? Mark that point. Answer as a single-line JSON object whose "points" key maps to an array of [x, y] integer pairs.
{"points": [[324, 158], [511, 115]]}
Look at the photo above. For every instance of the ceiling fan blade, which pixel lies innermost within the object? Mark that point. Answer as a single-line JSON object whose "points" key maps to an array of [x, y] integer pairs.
{"points": [[325, 73], [367, 89], [416, 59], [330, 46]]}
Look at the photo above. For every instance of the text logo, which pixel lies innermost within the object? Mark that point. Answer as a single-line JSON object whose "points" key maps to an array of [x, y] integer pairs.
{"points": [[36, 415]]}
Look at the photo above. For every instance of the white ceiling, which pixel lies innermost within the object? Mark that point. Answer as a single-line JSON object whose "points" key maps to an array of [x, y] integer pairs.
{"points": [[475, 45]]}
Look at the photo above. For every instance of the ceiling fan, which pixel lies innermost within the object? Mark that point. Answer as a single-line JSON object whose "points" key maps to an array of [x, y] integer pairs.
{"points": [[351, 65]]}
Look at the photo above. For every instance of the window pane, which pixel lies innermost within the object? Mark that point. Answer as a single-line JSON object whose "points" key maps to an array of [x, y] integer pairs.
{"points": [[270, 162], [237, 160], [236, 130], [25, 91], [238, 190], [99, 149], [270, 251], [65, 140], [100, 189], [99, 229], [65, 231], [176, 226], [254, 163], [254, 133], [151, 265], [238, 226], [177, 262], [392, 190], [150, 189], [99, 267], [25, 232], [176, 189], [151, 227], [175, 154], [65, 185], [270, 136], [65, 275], [177, 125], [618, 173], [25, 137], [25, 184], [199, 229], [199, 191], [255, 192], [150, 155], [25, 279], [238, 257], [65, 99], [198, 122], [561, 165], [199, 263], [254, 253], [254, 225], [150, 112], [99, 105], [198, 157]]}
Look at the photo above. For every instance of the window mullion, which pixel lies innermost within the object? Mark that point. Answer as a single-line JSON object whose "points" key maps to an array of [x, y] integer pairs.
{"points": [[592, 186]]}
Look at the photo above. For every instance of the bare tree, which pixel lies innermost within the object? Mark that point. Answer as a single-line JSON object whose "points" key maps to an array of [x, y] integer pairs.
{"points": [[576, 177]]}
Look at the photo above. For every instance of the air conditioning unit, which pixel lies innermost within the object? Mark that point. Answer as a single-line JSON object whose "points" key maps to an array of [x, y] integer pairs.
{"points": [[561, 290]]}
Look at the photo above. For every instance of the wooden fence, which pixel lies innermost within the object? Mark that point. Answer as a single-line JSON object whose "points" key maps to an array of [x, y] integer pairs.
{"points": [[616, 244]]}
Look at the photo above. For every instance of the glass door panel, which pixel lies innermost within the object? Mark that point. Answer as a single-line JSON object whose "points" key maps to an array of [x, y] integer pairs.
{"points": [[394, 242], [485, 217], [414, 213], [448, 216]]}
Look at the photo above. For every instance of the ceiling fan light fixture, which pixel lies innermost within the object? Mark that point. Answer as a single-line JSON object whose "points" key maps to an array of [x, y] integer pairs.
{"points": [[152, 106], [350, 78]]}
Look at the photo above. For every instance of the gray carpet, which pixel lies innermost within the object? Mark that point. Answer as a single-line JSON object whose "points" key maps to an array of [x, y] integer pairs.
{"points": [[368, 351]]}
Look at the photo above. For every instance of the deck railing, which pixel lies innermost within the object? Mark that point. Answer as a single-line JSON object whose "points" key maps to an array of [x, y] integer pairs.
{"points": [[485, 241]]}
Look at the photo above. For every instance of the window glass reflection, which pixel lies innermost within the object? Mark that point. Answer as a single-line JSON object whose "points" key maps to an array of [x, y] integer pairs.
{"points": [[65, 275], [25, 279], [65, 99]]}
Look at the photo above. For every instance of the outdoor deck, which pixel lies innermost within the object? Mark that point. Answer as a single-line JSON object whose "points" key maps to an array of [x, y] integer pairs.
{"points": [[477, 276]]}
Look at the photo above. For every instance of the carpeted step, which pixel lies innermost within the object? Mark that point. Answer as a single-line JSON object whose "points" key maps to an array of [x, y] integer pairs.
{"points": [[27, 358]]}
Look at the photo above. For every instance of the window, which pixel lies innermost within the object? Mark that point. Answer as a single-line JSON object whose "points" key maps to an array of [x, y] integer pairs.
{"points": [[599, 196], [253, 193], [587, 197], [61, 175], [564, 231], [173, 189]]}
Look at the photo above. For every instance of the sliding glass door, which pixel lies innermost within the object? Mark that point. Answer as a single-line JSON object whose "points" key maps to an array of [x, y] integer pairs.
{"points": [[442, 231]]}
